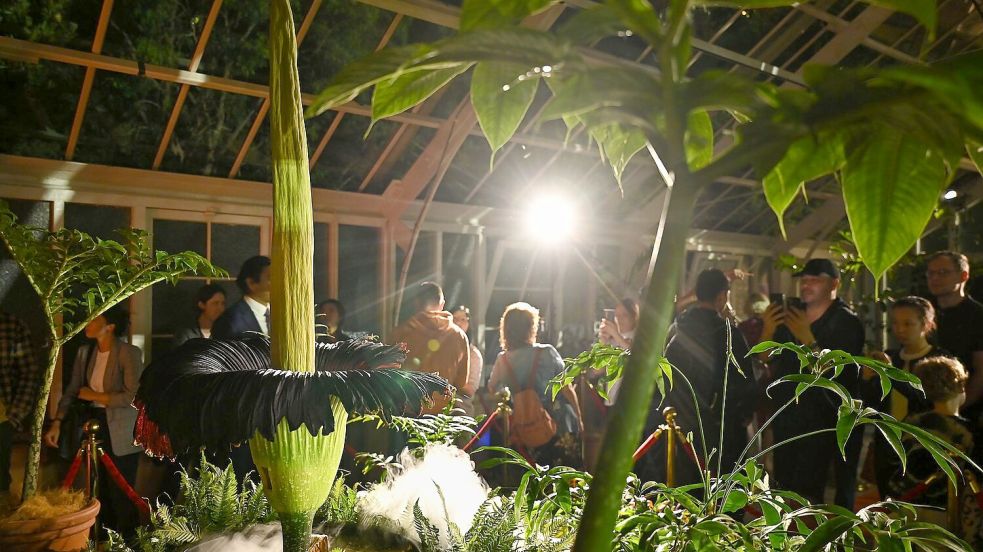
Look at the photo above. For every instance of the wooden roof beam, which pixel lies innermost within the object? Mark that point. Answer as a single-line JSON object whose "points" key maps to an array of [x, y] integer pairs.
{"points": [[206, 33], [13, 48], [90, 75], [333, 127], [264, 108]]}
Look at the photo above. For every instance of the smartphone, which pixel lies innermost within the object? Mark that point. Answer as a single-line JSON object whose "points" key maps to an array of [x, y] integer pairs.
{"points": [[795, 303], [776, 299], [608, 314]]}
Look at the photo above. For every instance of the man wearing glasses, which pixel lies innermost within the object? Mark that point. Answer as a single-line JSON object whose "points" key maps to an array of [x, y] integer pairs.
{"points": [[960, 319]]}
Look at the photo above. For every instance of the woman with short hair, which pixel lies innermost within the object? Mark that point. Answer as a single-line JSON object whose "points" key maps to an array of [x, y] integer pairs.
{"points": [[209, 305]]}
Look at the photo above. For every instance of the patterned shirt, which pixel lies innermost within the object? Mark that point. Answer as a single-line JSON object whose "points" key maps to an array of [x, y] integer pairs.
{"points": [[18, 371]]}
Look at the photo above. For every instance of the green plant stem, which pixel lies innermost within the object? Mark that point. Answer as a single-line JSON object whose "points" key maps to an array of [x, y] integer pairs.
{"points": [[631, 409], [37, 423], [789, 440], [296, 531]]}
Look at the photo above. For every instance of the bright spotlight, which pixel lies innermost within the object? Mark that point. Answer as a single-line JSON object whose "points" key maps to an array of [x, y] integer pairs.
{"points": [[550, 219], [950, 195]]}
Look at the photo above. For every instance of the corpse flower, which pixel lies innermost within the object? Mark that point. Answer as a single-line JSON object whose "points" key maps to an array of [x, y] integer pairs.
{"points": [[217, 393]]}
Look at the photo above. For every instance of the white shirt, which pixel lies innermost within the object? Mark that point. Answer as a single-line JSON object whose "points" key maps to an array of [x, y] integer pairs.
{"points": [[96, 381], [259, 311]]}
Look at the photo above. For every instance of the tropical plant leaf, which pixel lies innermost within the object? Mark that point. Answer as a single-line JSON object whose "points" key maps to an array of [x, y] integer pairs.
{"points": [[639, 16], [588, 26], [230, 391], [389, 63], [699, 140], [846, 421], [806, 159], [501, 94], [395, 96], [891, 185], [491, 14], [618, 145]]}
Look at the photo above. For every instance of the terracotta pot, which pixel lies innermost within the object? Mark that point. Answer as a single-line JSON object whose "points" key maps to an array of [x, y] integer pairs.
{"points": [[67, 533]]}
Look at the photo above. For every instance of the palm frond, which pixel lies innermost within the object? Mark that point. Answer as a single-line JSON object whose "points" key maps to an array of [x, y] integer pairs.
{"points": [[213, 393]]}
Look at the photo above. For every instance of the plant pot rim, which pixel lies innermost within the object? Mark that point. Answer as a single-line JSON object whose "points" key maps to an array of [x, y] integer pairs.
{"points": [[89, 511]]}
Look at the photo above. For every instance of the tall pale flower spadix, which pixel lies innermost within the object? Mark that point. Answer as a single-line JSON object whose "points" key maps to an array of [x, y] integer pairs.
{"points": [[288, 396]]}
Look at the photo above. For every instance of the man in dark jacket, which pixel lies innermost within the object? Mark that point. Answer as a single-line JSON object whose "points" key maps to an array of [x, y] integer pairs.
{"points": [[251, 313], [825, 323], [698, 352]]}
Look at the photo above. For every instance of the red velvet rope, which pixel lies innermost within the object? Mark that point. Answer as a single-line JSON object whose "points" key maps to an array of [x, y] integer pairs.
{"points": [[484, 428], [350, 450], [915, 492], [120, 481], [72, 471], [650, 441]]}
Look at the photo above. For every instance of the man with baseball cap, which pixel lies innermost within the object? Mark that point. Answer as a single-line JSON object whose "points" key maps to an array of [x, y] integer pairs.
{"points": [[825, 322]]}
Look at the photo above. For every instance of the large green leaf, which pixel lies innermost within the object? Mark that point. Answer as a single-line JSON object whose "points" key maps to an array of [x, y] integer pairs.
{"points": [[588, 26], [395, 96], [576, 93], [353, 79], [618, 145], [490, 14], [639, 16], [891, 186], [699, 140], [806, 159], [529, 47], [501, 94]]}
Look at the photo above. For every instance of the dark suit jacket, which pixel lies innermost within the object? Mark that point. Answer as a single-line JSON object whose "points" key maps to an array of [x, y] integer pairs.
{"points": [[235, 320]]}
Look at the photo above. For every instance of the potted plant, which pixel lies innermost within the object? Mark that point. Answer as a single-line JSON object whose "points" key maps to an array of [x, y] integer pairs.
{"points": [[78, 277], [893, 136]]}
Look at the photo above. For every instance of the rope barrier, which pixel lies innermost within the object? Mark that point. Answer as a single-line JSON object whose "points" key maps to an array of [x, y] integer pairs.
{"points": [[481, 431], [73, 470], [649, 442], [120, 481]]}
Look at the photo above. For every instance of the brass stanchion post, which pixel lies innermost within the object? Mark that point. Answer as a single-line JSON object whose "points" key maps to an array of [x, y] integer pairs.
{"points": [[91, 429], [505, 412], [670, 415]]}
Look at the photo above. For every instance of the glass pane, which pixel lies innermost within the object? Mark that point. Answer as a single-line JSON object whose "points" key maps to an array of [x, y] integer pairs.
{"points": [[100, 221], [458, 260], [17, 297], [421, 269], [359, 277], [174, 306], [180, 235], [232, 244], [321, 261]]}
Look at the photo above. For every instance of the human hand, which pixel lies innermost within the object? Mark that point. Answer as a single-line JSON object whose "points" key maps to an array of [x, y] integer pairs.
{"points": [[737, 274], [88, 394], [773, 317], [798, 324], [609, 331], [51, 436]]}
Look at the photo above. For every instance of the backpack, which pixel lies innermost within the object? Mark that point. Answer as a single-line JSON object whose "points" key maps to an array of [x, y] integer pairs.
{"points": [[530, 425]]}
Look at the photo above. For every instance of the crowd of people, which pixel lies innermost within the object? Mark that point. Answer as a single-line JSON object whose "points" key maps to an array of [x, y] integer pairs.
{"points": [[939, 339]]}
